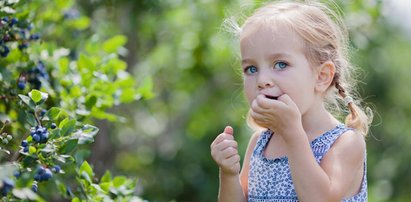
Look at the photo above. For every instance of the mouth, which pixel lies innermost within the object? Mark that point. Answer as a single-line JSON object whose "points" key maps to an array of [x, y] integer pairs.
{"points": [[271, 97]]}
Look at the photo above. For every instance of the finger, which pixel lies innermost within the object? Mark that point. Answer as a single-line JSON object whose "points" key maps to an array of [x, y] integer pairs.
{"points": [[221, 137], [219, 155], [229, 162], [266, 103], [229, 130], [225, 144], [259, 119], [262, 102], [229, 152], [287, 100], [256, 107]]}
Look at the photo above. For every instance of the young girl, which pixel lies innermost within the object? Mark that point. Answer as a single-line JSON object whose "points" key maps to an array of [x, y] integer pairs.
{"points": [[295, 70]]}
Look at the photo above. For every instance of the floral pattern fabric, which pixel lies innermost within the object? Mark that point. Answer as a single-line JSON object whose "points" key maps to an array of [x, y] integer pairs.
{"points": [[269, 180]]}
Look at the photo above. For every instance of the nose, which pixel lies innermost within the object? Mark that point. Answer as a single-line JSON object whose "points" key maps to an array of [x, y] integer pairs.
{"points": [[264, 80]]}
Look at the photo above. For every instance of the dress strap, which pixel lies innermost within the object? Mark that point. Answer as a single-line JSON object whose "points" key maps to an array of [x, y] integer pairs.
{"points": [[323, 143], [262, 141]]}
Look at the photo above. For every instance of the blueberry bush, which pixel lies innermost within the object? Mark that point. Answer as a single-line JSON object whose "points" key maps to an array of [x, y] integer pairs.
{"points": [[57, 77]]}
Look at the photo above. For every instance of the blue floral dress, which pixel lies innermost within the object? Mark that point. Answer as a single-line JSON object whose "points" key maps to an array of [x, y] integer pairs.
{"points": [[270, 179]]}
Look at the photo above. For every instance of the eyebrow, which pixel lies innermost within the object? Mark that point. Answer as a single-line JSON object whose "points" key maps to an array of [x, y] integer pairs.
{"points": [[272, 56]]}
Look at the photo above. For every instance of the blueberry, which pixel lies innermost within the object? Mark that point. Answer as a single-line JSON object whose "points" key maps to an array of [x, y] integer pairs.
{"points": [[37, 177], [24, 143], [47, 174], [53, 126], [22, 46], [13, 22], [42, 113], [57, 168], [4, 51], [39, 131], [40, 170], [34, 188], [8, 183], [44, 136], [7, 186], [21, 85], [25, 149], [34, 37], [17, 174], [36, 137]]}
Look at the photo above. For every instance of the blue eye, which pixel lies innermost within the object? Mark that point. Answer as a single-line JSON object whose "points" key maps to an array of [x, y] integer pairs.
{"points": [[280, 65], [250, 70]]}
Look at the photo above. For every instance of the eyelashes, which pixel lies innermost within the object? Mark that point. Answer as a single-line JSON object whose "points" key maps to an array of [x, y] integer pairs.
{"points": [[280, 65], [252, 69]]}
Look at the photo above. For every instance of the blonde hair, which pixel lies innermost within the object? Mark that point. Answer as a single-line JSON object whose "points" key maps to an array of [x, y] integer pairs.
{"points": [[326, 39]]}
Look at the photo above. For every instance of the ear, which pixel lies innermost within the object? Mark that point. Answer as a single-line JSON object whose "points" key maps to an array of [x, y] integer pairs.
{"points": [[325, 76]]}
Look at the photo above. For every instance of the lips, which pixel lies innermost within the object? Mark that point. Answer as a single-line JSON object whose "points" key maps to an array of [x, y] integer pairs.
{"points": [[271, 97]]}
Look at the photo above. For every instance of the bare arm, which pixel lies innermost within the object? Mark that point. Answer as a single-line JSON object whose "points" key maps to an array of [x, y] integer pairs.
{"points": [[225, 153], [341, 166], [246, 162], [233, 186], [334, 178]]}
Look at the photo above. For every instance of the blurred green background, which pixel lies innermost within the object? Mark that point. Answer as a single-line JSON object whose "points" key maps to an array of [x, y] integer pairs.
{"points": [[198, 90]]}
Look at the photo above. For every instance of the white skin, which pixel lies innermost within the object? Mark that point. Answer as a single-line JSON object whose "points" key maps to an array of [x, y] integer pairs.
{"points": [[286, 93]]}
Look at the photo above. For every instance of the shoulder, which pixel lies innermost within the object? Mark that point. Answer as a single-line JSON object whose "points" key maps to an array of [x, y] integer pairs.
{"points": [[255, 136], [350, 142], [344, 162], [349, 147]]}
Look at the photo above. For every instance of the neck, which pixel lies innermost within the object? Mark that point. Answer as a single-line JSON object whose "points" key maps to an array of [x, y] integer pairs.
{"points": [[317, 121]]}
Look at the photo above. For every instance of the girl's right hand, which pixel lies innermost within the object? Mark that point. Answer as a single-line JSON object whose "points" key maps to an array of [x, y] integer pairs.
{"points": [[224, 152]]}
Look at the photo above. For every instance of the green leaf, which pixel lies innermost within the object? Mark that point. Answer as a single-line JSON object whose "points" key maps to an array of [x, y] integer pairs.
{"points": [[61, 187], [80, 23], [86, 134], [53, 113], [106, 177], [4, 150], [85, 63], [68, 146], [146, 88], [75, 91], [103, 115], [7, 170], [112, 44], [67, 126], [119, 181], [63, 65], [64, 4], [28, 101], [75, 199], [105, 186], [38, 96], [26, 193], [49, 148], [31, 119], [86, 168], [97, 187], [128, 95], [90, 101], [7, 9]]}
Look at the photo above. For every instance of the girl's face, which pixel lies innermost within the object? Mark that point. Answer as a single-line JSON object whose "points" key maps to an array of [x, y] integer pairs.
{"points": [[274, 63]]}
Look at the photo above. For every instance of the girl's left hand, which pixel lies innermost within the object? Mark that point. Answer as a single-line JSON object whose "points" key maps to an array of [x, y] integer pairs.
{"points": [[281, 116]]}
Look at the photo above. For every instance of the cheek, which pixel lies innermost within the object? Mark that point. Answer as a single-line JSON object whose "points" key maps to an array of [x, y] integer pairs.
{"points": [[249, 91]]}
